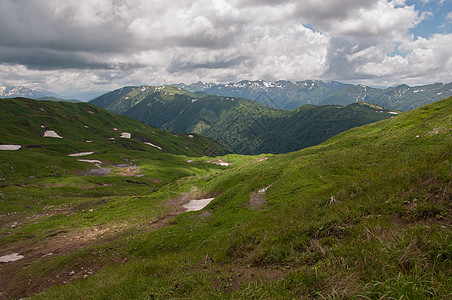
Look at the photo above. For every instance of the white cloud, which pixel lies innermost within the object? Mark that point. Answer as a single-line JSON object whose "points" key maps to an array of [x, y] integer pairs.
{"points": [[93, 44], [356, 18], [427, 60], [398, 2]]}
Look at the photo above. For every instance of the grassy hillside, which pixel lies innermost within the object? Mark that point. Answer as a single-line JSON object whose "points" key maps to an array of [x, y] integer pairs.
{"points": [[244, 126], [83, 128], [366, 214], [49, 98], [121, 100], [59, 195]]}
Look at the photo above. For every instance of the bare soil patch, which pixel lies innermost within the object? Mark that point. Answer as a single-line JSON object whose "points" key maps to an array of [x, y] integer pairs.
{"points": [[257, 199], [129, 170], [99, 172], [14, 279]]}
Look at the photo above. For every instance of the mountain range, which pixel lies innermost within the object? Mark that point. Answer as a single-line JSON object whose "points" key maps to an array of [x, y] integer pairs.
{"points": [[7, 91], [290, 95], [20, 91], [242, 125], [284, 94]]}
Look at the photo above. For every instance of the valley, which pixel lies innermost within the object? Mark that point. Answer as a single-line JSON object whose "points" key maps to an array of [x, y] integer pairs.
{"points": [[365, 214], [240, 149], [242, 125]]}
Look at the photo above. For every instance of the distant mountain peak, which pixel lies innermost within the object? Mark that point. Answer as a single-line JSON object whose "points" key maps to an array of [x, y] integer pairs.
{"points": [[20, 91], [288, 95]]}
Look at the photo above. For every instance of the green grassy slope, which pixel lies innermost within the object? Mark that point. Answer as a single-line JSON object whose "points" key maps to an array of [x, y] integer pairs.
{"points": [[49, 98], [53, 206], [121, 100], [366, 214], [83, 128], [245, 126]]}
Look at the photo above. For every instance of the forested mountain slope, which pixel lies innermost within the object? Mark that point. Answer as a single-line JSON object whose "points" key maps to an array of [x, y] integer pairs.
{"points": [[242, 125]]}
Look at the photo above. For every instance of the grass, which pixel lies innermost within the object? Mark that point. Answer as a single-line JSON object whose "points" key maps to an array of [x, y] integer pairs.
{"points": [[387, 235]]}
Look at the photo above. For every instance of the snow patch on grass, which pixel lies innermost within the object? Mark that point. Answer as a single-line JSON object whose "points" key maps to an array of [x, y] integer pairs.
{"points": [[10, 147], [52, 133], [219, 162], [81, 153], [92, 161], [195, 205], [151, 144]]}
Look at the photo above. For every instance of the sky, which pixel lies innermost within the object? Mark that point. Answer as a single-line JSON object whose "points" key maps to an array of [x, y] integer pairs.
{"points": [[74, 46]]}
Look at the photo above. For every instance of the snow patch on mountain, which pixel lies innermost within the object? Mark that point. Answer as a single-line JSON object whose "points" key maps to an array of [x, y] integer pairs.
{"points": [[52, 134], [20, 91]]}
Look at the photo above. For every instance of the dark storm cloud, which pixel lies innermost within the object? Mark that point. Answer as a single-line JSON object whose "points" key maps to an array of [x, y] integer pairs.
{"points": [[34, 24], [35, 36], [43, 35], [46, 59]]}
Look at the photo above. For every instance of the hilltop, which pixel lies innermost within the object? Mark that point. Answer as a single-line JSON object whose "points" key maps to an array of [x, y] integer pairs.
{"points": [[242, 125], [366, 214]]}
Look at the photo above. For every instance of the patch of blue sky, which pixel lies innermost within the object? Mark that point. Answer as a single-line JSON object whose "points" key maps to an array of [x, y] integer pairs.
{"points": [[397, 51], [437, 17]]}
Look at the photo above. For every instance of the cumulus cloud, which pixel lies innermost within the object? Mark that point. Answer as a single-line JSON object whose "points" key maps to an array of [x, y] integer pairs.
{"points": [[359, 18], [87, 44]]}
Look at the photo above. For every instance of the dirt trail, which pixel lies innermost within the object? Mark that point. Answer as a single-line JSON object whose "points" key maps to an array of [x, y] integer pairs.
{"points": [[13, 278], [16, 283]]}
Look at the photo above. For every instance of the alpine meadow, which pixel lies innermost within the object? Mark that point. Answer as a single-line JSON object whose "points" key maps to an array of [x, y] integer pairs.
{"points": [[213, 149]]}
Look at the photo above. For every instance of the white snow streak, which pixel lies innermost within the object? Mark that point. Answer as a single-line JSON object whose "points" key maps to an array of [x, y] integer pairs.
{"points": [[10, 147]]}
